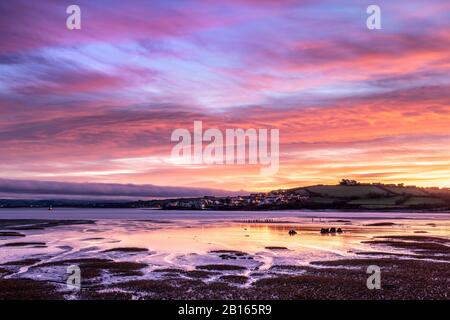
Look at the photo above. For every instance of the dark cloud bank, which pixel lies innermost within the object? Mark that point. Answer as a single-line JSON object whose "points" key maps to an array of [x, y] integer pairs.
{"points": [[54, 189]]}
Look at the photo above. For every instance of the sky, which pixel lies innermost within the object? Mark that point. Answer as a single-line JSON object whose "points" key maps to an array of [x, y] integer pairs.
{"points": [[98, 105]]}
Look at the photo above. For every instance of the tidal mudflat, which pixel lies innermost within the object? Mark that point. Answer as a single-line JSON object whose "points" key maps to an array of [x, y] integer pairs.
{"points": [[150, 254]]}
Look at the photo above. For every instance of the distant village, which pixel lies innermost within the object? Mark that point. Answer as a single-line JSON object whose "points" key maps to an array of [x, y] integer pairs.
{"points": [[273, 198]]}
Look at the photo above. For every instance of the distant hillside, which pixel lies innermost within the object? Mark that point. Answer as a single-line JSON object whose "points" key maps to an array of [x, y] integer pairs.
{"points": [[353, 195], [348, 195]]}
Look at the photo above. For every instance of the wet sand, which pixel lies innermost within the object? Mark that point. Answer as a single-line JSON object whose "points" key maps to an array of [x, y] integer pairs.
{"points": [[198, 257]]}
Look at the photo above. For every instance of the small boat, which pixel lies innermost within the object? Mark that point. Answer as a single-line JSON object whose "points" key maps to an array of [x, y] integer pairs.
{"points": [[50, 208]]}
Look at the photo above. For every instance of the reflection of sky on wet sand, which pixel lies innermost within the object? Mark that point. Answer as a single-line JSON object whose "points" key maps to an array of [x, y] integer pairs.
{"points": [[307, 245], [186, 241]]}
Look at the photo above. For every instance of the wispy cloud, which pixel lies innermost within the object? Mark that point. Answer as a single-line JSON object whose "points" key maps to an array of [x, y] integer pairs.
{"points": [[54, 189], [96, 104]]}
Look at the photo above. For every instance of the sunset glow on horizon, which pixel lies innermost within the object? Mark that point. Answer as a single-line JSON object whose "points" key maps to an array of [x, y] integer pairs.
{"points": [[99, 104]]}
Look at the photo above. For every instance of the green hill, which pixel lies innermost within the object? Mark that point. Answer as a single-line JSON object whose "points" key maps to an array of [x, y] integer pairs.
{"points": [[350, 194]]}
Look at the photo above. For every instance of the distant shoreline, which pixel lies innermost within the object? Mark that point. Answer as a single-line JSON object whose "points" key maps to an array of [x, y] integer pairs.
{"points": [[349, 195], [237, 209]]}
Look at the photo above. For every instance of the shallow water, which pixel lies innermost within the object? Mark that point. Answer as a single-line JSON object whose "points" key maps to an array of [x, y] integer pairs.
{"points": [[185, 239]]}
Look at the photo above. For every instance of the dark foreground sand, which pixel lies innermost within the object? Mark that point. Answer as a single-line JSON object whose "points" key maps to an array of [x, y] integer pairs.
{"points": [[401, 279]]}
